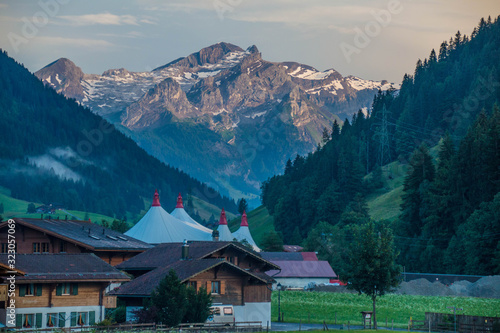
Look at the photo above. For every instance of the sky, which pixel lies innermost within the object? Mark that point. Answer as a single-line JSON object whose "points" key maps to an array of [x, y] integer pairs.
{"points": [[371, 39]]}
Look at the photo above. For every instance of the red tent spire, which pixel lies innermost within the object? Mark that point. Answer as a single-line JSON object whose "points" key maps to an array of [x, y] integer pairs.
{"points": [[179, 201], [156, 200], [223, 220], [244, 222]]}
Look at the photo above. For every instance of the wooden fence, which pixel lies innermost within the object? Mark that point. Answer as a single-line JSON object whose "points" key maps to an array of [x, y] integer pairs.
{"points": [[250, 326]]}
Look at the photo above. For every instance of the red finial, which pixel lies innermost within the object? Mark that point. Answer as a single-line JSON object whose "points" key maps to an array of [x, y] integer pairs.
{"points": [[156, 200], [244, 222], [179, 202], [223, 220]]}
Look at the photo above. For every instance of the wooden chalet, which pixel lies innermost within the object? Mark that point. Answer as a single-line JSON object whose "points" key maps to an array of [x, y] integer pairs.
{"points": [[232, 273], [44, 236], [59, 290]]}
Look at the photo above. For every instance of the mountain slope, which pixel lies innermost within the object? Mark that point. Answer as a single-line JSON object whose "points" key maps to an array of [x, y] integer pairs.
{"points": [[258, 113], [54, 150]]}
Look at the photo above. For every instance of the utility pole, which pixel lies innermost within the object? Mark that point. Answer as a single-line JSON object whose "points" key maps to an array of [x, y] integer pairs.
{"points": [[455, 309], [385, 148]]}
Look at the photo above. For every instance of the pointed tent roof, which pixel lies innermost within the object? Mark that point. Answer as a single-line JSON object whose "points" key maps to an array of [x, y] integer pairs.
{"points": [[243, 233], [181, 214], [224, 232], [158, 226]]}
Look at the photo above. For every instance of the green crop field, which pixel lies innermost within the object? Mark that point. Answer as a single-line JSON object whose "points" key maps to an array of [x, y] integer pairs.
{"points": [[315, 307]]}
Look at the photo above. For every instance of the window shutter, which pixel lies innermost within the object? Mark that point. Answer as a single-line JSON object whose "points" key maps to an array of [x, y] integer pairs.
{"points": [[62, 319], [38, 289], [19, 320], [91, 317], [38, 320], [59, 290], [222, 287], [74, 289], [209, 287], [73, 319], [22, 290]]}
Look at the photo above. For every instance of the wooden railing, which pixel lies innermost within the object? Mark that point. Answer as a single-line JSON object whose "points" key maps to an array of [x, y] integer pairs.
{"points": [[247, 326]]}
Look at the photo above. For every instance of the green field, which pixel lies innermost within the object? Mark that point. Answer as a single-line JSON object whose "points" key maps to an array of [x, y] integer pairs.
{"points": [[319, 306], [17, 208], [259, 223]]}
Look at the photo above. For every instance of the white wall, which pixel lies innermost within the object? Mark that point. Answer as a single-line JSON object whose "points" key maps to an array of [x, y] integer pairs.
{"points": [[99, 313], [298, 282], [260, 311]]}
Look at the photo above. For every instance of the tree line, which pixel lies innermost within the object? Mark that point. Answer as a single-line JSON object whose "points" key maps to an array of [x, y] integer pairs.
{"points": [[449, 100], [92, 167]]}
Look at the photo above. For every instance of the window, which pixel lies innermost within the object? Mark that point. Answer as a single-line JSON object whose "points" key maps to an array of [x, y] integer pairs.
{"points": [[28, 320], [30, 290], [62, 247], [192, 284], [6, 247], [215, 287], [67, 288], [36, 247], [45, 247], [81, 318], [52, 319]]}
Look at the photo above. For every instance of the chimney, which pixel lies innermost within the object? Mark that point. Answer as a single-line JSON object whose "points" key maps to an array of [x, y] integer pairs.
{"points": [[185, 250], [215, 235]]}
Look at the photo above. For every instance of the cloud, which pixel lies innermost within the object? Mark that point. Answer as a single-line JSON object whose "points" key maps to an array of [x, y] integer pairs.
{"points": [[100, 19], [130, 34], [78, 42], [3, 5], [48, 163]]}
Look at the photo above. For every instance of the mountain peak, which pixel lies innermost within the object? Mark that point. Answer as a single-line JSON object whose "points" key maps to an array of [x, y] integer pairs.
{"points": [[253, 49], [64, 76], [207, 55]]}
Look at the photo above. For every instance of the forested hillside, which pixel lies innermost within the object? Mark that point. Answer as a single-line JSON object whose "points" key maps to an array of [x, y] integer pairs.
{"points": [[449, 209], [53, 150]]}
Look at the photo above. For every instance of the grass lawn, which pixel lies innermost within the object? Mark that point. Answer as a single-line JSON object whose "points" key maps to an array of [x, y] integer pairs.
{"points": [[319, 306]]}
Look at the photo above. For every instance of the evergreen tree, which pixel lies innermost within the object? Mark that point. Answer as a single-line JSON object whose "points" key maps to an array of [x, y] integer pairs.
{"points": [[170, 301], [325, 137], [31, 208], [1, 208], [242, 205], [272, 242], [335, 130], [296, 238], [198, 308]]}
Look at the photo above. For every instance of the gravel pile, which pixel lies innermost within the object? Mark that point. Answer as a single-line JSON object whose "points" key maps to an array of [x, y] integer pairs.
{"points": [[424, 287], [487, 287]]}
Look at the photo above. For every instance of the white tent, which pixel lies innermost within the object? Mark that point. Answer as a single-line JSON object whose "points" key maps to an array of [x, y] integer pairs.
{"points": [[243, 233], [181, 214], [158, 226], [224, 232]]}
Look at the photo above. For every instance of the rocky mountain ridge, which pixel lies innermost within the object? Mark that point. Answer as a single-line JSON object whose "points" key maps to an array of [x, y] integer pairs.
{"points": [[234, 94]]}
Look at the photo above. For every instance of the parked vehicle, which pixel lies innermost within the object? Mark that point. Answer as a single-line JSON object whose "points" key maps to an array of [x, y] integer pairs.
{"points": [[221, 313]]}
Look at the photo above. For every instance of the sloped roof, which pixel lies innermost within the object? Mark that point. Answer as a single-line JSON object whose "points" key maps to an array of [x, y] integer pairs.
{"points": [[185, 269], [303, 269], [168, 253], [88, 235], [282, 256], [158, 226], [65, 267], [289, 256]]}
